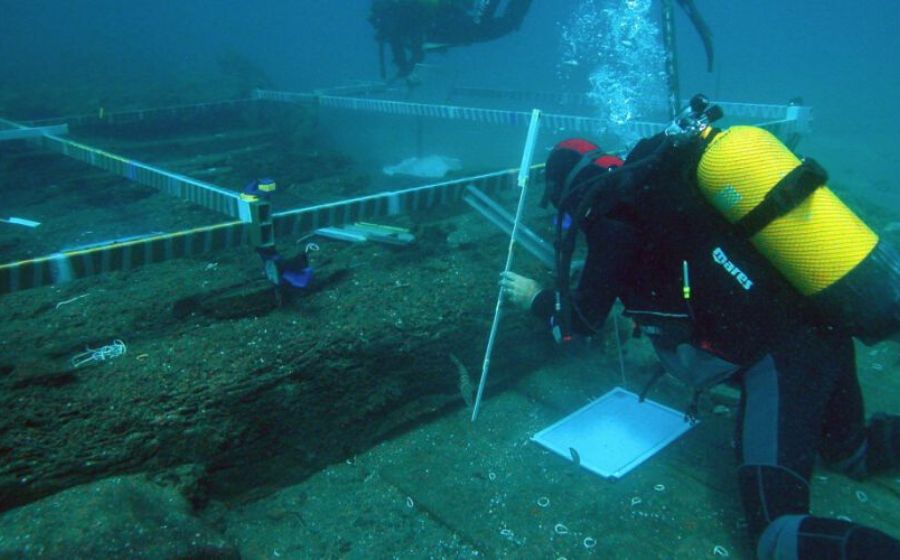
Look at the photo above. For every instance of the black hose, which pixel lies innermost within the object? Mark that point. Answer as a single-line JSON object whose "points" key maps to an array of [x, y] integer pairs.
{"points": [[702, 28]]}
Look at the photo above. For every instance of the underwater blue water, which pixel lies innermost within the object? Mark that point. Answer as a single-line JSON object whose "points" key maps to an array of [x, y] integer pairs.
{"points": [[839, 56]]}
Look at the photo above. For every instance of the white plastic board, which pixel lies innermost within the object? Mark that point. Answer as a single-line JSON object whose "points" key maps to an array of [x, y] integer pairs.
{"points": [[615, 433]]}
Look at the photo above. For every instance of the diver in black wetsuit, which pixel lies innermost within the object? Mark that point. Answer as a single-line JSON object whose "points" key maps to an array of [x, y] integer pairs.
{"points": [[412, 27], [736, 319]]}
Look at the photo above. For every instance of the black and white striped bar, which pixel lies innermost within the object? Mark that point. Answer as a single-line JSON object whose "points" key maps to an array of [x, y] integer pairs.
{"points": [[572, 123], [198, 192], [117, 257], [114, 257], [783, 129], [757, 111], [32, 132], [305, 220], [285, 96], [125, 117]]}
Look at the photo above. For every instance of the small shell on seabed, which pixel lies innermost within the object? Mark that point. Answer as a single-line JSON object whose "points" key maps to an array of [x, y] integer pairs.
{"points": [[720, 551], [862, 496], [589, 542], [560, 529], [543, 501]]}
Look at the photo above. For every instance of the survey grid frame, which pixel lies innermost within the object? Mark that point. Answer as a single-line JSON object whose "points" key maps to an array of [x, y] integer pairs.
{"points": [[251, 222]]}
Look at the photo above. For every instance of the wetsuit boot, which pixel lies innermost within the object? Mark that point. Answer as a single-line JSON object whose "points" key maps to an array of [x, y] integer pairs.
{"points": [[776, 501], [804, 537]]}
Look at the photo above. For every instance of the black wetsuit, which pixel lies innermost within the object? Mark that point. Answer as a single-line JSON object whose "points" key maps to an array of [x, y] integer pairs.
{"points": [[800, 395], [403, 27], [456, 26]]}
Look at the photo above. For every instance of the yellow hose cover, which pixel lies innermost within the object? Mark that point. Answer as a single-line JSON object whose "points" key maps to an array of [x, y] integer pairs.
{"points": [[815, 244]]}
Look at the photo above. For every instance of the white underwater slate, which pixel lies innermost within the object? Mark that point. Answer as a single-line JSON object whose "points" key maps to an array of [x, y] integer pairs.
{"points": [[428, 167], [614, 434]]}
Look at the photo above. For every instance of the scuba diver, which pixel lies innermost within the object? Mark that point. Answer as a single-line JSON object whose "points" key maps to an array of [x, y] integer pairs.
{"points": [[412, 27], [714, 294]]}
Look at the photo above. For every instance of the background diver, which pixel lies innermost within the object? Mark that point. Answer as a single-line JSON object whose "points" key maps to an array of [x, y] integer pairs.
{"points": [[412, 27]]}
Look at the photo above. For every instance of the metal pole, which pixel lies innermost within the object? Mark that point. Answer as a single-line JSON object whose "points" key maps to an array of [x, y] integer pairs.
{"points": [[524, 173], [668, 36]]}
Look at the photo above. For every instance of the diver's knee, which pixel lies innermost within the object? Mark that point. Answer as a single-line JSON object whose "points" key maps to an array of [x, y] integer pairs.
{"points": [[806, 537]]}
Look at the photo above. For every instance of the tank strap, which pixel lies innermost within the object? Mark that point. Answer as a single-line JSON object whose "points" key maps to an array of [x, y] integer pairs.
{"points": [[787, 194], [586, 159]]}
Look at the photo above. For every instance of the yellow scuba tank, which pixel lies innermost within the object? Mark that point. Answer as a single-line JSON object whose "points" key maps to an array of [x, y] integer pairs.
{"points": [[818, 244]]}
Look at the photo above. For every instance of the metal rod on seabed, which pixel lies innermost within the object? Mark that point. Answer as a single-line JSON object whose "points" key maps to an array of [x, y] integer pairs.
{"points": [[524, 173]]}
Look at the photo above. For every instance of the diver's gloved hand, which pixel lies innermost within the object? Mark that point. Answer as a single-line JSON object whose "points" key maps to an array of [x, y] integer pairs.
{"points": [[518, 289]]}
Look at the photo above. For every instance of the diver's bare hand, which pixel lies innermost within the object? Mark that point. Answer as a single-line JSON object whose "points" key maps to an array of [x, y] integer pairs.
{"points": [[517, 289]]}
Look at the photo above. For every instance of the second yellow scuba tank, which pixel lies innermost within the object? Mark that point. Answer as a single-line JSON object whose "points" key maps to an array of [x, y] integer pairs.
{"points": [[783, 206]]}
